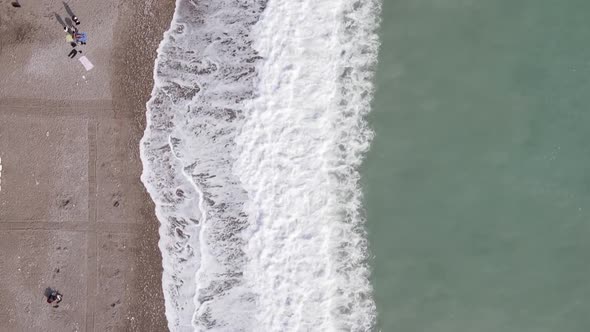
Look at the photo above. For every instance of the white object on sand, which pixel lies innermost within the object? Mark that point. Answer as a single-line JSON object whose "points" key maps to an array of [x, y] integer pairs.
{"points": [[87, 64]]}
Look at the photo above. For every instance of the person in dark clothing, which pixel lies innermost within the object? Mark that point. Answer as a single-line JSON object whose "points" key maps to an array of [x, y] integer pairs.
{"points": [[53, 296], [73, 53]]}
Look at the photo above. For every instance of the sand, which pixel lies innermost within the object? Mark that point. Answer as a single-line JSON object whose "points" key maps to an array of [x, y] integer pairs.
{"points": [[73, 212]]}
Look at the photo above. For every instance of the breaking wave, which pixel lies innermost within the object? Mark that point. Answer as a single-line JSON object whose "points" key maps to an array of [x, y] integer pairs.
{"points": [[255, 132]]}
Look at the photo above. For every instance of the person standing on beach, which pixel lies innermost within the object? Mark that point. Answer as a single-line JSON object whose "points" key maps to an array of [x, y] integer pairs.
{"points": [[53, 296], [76, 20]]}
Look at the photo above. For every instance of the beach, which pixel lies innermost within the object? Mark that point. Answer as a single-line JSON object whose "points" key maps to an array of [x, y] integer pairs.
{"points": [[286, 198], [74, 214], [249, 149]]}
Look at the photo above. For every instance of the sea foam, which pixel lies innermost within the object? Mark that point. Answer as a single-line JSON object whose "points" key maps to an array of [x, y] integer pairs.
{"points": [[255, 131]]}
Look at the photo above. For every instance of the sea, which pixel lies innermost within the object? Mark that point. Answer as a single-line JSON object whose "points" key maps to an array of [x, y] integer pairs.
{"points": [[375, 165], [476, 185], [256, 131]]}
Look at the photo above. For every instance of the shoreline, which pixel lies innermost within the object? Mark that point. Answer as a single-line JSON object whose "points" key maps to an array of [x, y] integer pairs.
{"points": [[149, 305]]}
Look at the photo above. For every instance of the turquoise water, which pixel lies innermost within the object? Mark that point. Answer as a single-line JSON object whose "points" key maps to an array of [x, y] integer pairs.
{"points": [[478, 181]]}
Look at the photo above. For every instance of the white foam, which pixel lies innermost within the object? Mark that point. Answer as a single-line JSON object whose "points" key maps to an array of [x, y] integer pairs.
{"points": [[258, 199], [203, 72], [299, 151]]}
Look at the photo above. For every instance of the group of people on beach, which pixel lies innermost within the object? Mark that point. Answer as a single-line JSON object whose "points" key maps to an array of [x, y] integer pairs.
{"points": [[74, 37]]}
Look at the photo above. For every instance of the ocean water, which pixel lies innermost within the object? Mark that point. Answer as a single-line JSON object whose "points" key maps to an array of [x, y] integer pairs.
{"points": [[476, 185], [255, 134]]}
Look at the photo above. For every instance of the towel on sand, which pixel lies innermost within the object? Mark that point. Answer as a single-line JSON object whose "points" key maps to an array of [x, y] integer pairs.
{"points": [[86, 63]]}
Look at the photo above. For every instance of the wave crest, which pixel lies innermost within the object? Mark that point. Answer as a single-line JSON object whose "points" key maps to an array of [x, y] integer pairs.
{"points": [[255, 132]]}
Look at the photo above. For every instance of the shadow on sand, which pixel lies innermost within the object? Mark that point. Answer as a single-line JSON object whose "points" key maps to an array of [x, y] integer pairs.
{"points": [[69, 10]]}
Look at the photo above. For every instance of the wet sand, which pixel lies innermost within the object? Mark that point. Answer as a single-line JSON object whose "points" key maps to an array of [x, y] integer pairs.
{"points": [[73, 212]]}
